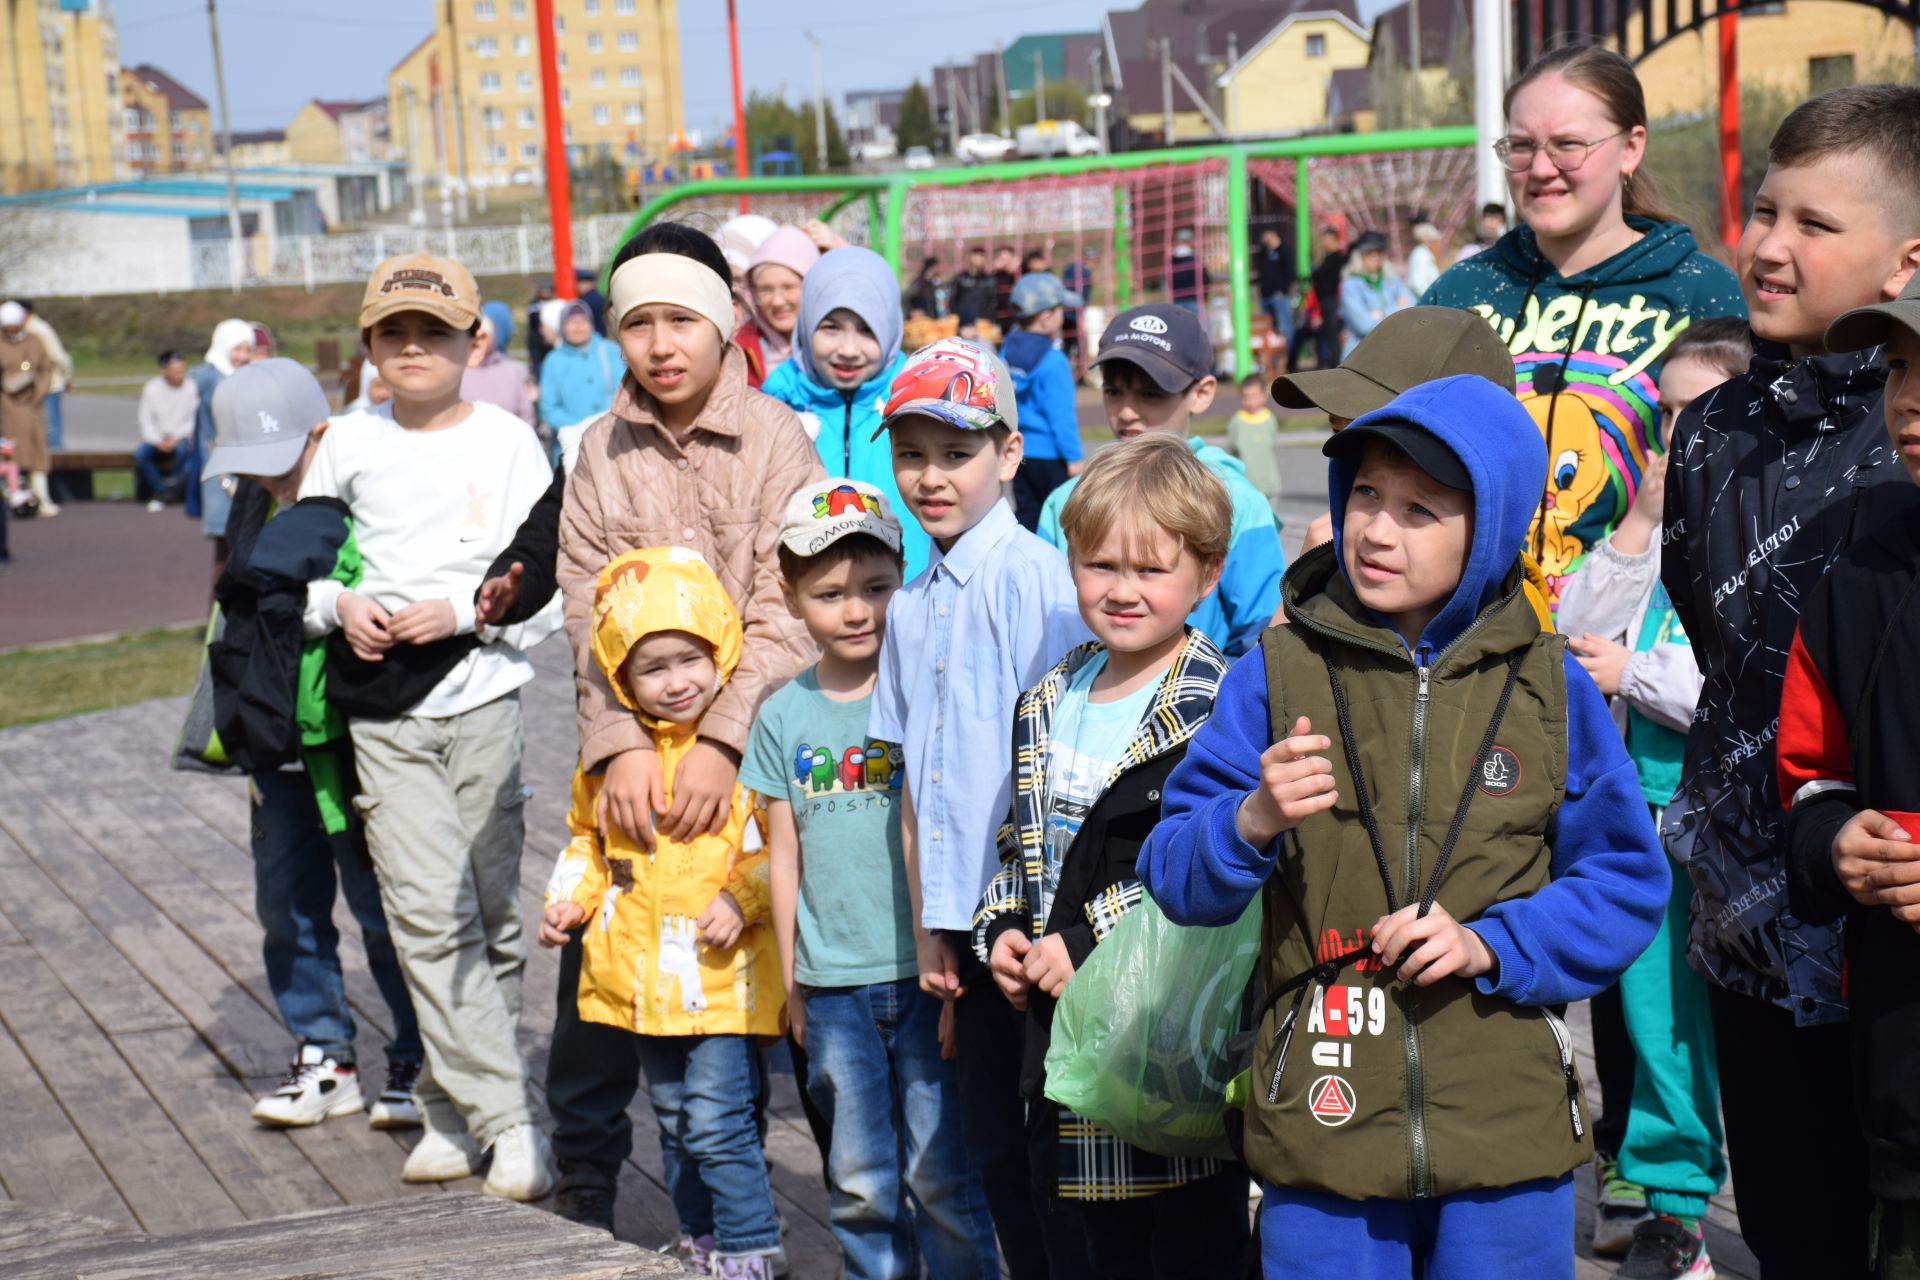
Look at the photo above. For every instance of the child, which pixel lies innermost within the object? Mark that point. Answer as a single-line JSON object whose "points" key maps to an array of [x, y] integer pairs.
{"points": [[838, 376], [436, 488], [1252, 433], [1768, 478], [272, 713], [1043, 385], [986, 619], [1846, 767], [1665, 1157], [580, 375], [1371, 290], [1157, 375], [1096, 739], [843, 914], [689, 456], [678, 949], [1415, 1103]]}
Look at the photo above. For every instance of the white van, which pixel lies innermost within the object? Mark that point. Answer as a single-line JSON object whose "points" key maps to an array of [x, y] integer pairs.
{"points": [[1057, 138]]}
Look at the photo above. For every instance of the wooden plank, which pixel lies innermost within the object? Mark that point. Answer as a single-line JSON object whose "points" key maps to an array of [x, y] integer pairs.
{"points": [[24, 1226], [44, 1162], [261, 1168], [162, 1180], [360, 1163], [10, 936]]}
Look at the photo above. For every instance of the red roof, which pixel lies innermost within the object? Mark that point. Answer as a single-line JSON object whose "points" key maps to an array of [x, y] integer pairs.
{"points": [[344, 106], [178, 96]]}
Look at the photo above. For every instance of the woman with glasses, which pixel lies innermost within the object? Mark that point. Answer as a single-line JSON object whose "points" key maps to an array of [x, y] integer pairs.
{"points": [[772, 297]]}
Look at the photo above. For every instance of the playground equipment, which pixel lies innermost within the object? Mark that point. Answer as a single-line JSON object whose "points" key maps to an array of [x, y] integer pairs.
{"points": [[1122, 215]]}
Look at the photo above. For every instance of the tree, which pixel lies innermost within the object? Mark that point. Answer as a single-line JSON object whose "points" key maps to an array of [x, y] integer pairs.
{"points": [[774, 124], [916, 118], [1066, 100]]}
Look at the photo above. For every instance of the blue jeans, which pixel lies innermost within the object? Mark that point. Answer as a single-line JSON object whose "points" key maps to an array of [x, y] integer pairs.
{"points": [[1279, 309], [295, 875], [874, 1069], [161, 483], [56, 419], [1522, 1232], [703, 1089]]}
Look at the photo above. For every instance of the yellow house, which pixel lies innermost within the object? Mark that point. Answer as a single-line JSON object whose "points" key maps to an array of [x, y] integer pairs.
{"points": [[60, 120], [1280, 85], [257, 148], [338, 132], [168, 127]]}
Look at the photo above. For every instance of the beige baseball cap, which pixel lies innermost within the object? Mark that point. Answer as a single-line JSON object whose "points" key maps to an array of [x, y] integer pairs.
{"points": [[820, 514], [422, 282]]}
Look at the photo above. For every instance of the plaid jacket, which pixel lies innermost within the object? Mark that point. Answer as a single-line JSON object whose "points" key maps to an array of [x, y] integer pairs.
{"points": [[1097, 886]]}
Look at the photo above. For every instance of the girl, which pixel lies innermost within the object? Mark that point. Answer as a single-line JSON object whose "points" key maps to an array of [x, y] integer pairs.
{"points": [[1371, 291], [580, 376], [774, 277], [207, 500], [494, 377]]}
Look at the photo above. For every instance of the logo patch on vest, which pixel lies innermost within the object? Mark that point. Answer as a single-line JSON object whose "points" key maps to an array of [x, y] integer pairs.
{"points": [[1500, 775], [1331, 1100]]}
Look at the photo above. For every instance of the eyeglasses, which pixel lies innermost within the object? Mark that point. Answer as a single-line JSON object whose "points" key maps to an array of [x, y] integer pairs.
{"points": [[1567, 154]]}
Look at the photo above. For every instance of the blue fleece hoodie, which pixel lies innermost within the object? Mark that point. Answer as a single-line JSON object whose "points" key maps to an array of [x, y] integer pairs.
{"points": [[1574, 937], [1043, 389], [842, 422]]}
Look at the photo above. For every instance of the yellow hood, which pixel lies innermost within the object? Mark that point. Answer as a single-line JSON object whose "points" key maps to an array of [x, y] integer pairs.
{"points": [[660, 589]]}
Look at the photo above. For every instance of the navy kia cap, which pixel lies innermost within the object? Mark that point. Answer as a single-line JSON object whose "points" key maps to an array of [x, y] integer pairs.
{"points": [[1165, 340]]}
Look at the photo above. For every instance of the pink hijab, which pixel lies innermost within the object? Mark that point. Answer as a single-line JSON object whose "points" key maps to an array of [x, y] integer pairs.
{"points": [[794, 249]]}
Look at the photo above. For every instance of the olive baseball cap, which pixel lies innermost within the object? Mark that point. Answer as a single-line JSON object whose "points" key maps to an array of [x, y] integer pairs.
{"points": [[1408, 348], [1864, 327], [422, 282]]}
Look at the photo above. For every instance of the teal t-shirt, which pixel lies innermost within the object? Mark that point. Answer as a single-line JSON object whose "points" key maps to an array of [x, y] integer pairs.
{"points": [[855, 920], [1657, 751], [1087, 742]]}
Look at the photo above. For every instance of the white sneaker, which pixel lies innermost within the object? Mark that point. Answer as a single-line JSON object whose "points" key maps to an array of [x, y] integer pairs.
{"points": [[395, 1107], [316, 1087], [442, 1157], [155, 506], [520, 1159]]}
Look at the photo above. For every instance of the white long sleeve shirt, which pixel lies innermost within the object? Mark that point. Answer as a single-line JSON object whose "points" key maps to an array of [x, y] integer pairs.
{"points": [[431, 510], [166, 411]]}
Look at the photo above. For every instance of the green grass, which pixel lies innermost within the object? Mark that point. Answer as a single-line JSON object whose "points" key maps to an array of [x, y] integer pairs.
{"points": [[49, 684]]}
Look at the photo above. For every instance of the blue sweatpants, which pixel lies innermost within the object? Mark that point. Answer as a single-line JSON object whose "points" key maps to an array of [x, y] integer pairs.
{"points": [[1524, 1232]]}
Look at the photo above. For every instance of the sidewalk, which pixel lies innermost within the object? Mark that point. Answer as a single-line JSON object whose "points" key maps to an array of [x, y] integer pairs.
{"points": [[103, 567]]}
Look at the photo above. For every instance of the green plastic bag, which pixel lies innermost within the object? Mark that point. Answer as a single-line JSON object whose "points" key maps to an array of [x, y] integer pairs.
{"points": [[1140, 1034]]}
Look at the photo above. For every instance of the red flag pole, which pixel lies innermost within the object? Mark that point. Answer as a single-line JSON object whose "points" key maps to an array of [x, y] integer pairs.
{"points": [[559, 198], [1729, 124], [739, 112]]}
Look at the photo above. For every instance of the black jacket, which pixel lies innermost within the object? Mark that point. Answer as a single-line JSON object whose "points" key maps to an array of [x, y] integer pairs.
{"points": [[1277, 270], [1769, 470], [974, 296], [536, 548], [1848, 741]]}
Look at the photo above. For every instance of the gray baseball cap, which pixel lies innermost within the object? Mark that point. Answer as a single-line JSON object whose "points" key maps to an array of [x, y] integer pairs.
{"points": [[262, 415]]}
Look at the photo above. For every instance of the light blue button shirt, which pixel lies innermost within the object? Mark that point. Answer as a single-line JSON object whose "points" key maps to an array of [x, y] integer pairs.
{"points": [[981, 624]]}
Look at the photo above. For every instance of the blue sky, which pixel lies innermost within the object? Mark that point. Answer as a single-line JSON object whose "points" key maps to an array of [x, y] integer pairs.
{"points": [[278, 55]]}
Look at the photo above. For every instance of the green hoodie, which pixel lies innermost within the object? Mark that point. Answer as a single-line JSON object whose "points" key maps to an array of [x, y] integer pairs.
{"points": [[1587, 350]]}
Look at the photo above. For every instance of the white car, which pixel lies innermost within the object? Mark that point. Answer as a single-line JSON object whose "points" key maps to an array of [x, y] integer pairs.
{"points": [[919, 158], [984, 148]]}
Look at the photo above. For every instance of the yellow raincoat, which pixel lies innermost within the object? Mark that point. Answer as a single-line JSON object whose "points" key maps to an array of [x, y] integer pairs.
{"points": [[644, 966]]}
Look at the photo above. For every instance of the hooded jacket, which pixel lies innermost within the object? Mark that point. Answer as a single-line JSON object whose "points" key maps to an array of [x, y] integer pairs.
{"points": [[842, 423], [1587, 350], [1768, 476], [643, 964], [1043, 387], [577, 383], [1848, 743], [1483, 727]]}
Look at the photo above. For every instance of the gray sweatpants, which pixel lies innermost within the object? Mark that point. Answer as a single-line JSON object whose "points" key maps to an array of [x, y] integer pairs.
{"points": [[444, 812]]}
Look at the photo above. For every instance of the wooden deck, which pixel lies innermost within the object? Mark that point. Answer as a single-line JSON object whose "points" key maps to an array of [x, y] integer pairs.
{"points": [[136, 1025]]}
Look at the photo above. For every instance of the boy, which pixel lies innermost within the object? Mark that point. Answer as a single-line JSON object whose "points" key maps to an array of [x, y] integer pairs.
{"points": [[1768, 474], [1415, 1104], [1252, 435], [1096, 739], [986, 619], [271, 713], [973, 291], [843, 915], [1157, 375], [1846, 769], [1043, 386], [678, 952], [436, 488]]}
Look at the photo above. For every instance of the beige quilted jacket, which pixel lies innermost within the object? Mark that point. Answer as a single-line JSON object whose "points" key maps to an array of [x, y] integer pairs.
{"points": [[722, 492]]}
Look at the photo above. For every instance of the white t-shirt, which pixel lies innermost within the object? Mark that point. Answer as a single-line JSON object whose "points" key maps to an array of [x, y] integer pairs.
{"points": [[431, 510]]}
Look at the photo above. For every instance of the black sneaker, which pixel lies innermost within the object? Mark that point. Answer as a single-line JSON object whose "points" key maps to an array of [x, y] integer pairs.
{"points": [[587, 1203], [1663, 1249], [395, 1107]]}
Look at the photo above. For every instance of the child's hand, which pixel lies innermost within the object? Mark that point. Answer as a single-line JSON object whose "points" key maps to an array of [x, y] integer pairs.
{"points": [[1007, 962], [1605, 660], [949, 1033], [823, 236], [1879, 864], [1049, 966], [797, 1014], [557, 920], [939, 965], [423, 622], [1294, 785], [1650, 500], [702, 791], [365, 624], [1429, 948], [498, 595], [1319, 530], [722, 923], [630, 794]]}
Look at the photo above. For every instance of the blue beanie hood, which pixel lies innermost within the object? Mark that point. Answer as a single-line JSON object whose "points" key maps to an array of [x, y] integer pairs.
{"points": [[859, 280], [1500, 445], [502, 316]]}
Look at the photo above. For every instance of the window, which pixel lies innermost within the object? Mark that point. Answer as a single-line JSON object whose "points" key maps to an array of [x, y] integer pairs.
{"points": [[517, 8], [624, 6], [559, 25], [566, 131], [483, 10], [529, 151], [593, 8], [496, 153], [1316, 46], [492, 118], [489, 82], [1829, 73], [601, 115], [523, 81], [487, 47], [566, 97], [633, 114], [595, 42], [597, 78], [525, 118], [522, 45], [630, 77], [628, 41], [560, 60]]}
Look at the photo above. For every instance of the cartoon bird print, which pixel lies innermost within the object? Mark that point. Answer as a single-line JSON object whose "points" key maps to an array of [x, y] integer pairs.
{"points": [[853, 773], [1577, 475], [878, 754]]}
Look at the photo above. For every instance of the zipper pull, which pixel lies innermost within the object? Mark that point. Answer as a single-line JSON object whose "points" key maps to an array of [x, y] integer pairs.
{"points": [[1285, 1036], [1426, 675], [1573, 1102]]}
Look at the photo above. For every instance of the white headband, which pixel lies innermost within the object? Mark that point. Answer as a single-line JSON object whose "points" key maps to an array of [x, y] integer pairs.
{"points": [[671, 278]]}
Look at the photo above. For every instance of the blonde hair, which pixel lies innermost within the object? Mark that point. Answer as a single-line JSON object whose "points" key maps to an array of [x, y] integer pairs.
{"points": [[1152, 481]]}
